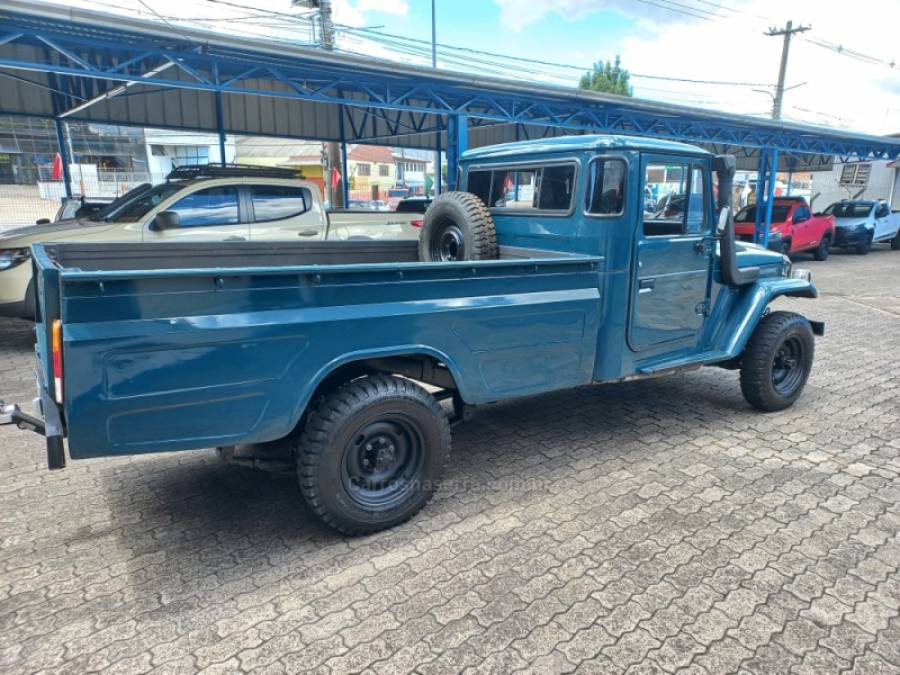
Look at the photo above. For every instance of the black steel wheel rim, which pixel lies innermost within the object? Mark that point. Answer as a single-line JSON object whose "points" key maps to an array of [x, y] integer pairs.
{"points": [[448, 243], [382, 462], [788, 367]]}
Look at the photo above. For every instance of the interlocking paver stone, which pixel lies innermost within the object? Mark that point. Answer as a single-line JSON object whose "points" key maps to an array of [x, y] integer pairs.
{"points": [[651, 527]]}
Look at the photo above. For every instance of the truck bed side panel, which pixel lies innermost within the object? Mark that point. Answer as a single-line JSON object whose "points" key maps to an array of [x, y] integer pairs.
{"points": [[189, 361]]}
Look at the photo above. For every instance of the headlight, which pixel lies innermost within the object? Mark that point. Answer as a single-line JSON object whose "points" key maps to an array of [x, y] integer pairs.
{"points": [[806, 275], [10, 257], [786, 266]]}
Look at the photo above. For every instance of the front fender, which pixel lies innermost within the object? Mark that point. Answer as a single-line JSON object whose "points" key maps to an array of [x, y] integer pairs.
{"points": [[737, 311]]}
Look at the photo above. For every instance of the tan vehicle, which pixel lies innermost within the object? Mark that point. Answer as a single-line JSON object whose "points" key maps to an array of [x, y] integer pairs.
{"points": [[200, 203]]}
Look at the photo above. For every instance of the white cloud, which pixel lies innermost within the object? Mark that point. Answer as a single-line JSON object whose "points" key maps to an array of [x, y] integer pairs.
{"points": [[398, 7], [518, 14]]}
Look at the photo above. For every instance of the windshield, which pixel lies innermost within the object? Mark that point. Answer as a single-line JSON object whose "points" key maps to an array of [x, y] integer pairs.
{"points": [[849, 210], [748, 214], [136, 203]]}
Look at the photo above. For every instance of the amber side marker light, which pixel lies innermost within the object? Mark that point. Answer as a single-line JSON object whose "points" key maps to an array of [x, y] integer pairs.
{"points": [[56, 337]]}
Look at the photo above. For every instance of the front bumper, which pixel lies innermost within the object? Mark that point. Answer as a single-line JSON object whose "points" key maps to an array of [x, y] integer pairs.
{"points": [[849, 236]]}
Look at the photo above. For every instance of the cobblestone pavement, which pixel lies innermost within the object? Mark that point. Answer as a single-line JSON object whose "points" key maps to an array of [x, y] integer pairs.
{"points": [[659, 526]]}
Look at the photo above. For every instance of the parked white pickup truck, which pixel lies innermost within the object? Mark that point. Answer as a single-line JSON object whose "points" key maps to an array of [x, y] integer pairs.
{"points": [[200, 203], [860, 223]]}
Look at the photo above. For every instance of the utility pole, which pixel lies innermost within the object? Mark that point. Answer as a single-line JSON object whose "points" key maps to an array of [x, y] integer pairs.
{"points": [[787, 32], [332, 149], [437, 152]]}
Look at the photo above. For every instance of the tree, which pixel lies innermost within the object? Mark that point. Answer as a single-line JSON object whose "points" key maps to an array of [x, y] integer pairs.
{"points": [[607, 77]]}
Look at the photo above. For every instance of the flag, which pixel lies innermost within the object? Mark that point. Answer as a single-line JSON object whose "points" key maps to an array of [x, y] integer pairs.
{"points": [[335, 178], [57, 173]]}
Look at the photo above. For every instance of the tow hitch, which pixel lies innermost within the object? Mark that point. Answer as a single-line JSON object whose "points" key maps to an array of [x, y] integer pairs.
{"points": [[10, 413]]}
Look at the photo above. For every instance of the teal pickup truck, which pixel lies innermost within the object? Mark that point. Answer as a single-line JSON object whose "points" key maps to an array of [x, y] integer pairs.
{"points": [[355, 356]]}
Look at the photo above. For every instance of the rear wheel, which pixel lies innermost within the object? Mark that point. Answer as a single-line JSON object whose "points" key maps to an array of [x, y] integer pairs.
{"points": [[895, 242], [371, 454], [821, 252], [777, 361], [864, 246]]}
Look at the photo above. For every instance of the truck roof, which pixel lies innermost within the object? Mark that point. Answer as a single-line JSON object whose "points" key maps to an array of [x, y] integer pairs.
{"points": [[581, 143]]}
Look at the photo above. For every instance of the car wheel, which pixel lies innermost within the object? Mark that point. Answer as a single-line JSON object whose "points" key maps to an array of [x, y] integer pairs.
{"points": [[863, 247], [785, 247], [821, 252], [371, 454], [457, 226], [895, 242], [777, 361]]}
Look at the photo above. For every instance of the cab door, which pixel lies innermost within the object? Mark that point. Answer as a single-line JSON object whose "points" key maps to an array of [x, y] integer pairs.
{"points": [[884, 225], [804, 234], [284, 212], [673, 255]]}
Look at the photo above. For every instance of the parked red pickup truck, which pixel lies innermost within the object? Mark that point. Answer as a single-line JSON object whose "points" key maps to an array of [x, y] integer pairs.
{"points": [[794, 227]]}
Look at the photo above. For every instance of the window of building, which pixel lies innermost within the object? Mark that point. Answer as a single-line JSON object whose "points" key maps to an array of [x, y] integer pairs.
{"points": [[191, 155], [537, 188], [384, 170], [363, 169], [605, 195], [212, 206], [277, 202]]}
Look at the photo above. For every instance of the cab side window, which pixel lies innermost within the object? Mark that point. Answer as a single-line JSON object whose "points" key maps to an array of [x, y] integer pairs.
{"points": [[801, 215], [696, 208], [277, 202], [212, 206], [665, 215], [605, 194]]}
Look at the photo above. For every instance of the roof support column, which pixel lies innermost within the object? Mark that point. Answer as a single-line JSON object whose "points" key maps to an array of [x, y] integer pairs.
{"points": [[457, 144], [220, 127], [63, 154], [770, 191], [438, 179], [345, 179]]}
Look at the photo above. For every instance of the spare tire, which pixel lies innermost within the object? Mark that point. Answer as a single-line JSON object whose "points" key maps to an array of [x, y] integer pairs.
{"points": [[457, 226]]}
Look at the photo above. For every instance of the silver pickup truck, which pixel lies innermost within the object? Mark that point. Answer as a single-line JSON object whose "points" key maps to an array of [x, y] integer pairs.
{"points": [[200, 203]]}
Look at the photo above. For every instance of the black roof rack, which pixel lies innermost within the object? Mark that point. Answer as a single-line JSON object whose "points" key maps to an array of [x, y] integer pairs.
{"points": [[195, 171]]}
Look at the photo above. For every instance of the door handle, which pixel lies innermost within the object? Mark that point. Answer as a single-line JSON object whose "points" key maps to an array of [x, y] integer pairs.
{"points": [[235, 239], [700, 247], [646, 285], [307, 233]]}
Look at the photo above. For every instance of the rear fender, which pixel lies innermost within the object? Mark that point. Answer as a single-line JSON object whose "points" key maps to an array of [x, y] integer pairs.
{"points": [[347, 359], [737, 311]]}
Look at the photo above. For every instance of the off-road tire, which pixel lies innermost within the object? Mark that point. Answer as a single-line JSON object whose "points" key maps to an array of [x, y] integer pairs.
{"points": [[895, 242], [863, 247], [820, 253], [457, 226], [760, 359], [339, 428]]}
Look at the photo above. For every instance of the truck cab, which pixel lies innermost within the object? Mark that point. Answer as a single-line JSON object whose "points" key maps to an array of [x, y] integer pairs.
{"points": [[663, 296]]}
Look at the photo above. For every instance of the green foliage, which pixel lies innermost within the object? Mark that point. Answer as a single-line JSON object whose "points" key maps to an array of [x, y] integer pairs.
{"points": [[607, 77]]}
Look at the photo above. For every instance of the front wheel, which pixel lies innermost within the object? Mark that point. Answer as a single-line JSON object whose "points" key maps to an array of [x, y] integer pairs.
{"points": [[371, 454], [821, 252], [777, 361], [863, 247]]}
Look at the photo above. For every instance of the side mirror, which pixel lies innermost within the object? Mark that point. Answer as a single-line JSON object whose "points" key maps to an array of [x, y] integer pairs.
{"points": [[42, 221], [165, 220]]}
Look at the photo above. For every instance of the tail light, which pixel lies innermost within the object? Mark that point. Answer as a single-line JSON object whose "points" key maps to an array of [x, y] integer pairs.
{"points": [[56, 344], [416, 223]]}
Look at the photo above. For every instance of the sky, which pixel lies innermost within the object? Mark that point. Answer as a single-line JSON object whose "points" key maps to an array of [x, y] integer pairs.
{"points": [[848, 83]]}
